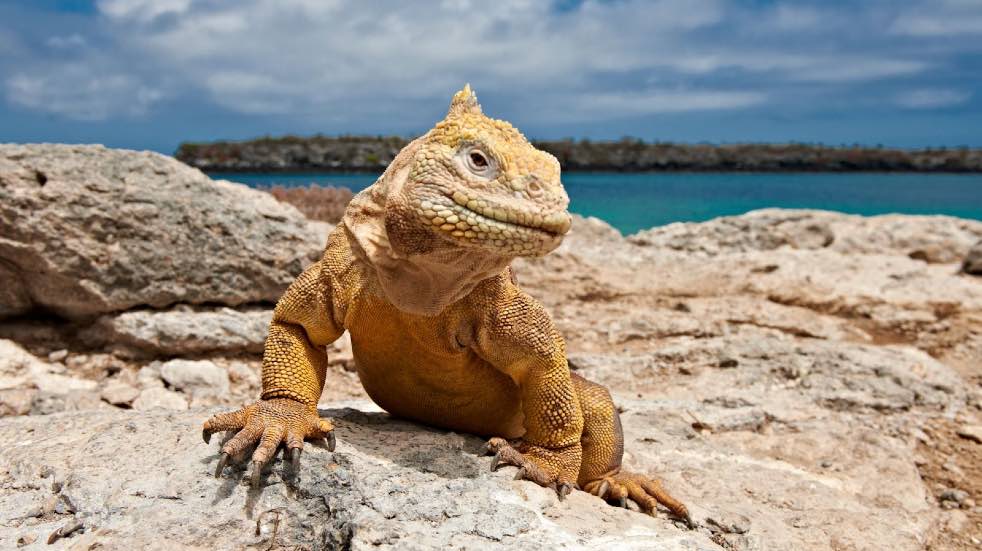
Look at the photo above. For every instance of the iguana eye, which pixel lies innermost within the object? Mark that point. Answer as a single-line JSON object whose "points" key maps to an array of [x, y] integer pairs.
{"points": [[478, 162], [478, 159]]}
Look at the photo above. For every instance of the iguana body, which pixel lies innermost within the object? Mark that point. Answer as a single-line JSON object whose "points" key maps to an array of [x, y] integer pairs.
{"points": [[418, 274]]}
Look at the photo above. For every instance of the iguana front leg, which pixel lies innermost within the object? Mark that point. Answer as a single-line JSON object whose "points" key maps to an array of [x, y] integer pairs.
{"points": [[518, 338], [294, 368]]}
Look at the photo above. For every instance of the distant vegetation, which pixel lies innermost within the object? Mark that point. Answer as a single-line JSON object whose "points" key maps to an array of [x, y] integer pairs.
{"points": [[372, 154], [315, 202]]}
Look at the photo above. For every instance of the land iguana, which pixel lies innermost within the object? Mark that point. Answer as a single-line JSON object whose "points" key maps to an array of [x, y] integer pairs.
{"points": [[418, 273]]}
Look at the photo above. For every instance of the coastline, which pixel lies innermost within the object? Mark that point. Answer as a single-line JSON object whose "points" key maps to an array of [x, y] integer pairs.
{"points": [[373, 154]]}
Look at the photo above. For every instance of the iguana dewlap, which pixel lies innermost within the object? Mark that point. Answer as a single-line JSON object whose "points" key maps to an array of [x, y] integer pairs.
{"points": [[418, 274]]}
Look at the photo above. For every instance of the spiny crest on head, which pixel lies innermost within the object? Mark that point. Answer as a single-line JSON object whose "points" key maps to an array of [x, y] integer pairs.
{"points": [[464, 101]]}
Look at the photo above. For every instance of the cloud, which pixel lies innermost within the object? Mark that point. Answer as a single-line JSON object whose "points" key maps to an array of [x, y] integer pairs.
{"points": [[353, 63], [941, 18], [658, 101], [142, 11], [931, 98], [75, 94], [66, 42], [789, 17]]}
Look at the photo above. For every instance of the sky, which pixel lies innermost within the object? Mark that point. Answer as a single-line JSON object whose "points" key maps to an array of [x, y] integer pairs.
{"points": [[149, 74]]}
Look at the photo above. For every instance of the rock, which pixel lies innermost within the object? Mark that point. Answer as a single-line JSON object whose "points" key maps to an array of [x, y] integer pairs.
{"points": [[159, 397], [940, 239], [182, 332], [199, 378], [339, 353], [119, 393], [149, 376], [241, 373], [971, 432], [89, 230], [973, 260], [46, 403], [31, 385], [953, 496], [389, 485], [58, 355], [16, 401]]}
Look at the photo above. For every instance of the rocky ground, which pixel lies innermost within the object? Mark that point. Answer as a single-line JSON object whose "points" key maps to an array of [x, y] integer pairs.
{"points": [[801, 379]]}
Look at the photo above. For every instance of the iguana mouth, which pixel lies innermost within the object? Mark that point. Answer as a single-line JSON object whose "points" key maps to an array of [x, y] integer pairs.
{"points": [[556, 223], [480, 220], [475, 213]]}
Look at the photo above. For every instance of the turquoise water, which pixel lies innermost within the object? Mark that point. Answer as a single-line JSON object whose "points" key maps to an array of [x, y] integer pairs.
{"points": [[632, 202]]}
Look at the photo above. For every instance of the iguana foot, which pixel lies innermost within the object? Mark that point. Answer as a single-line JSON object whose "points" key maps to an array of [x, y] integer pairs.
{"points": [[546, 467], [270, 422], [646, 492]]}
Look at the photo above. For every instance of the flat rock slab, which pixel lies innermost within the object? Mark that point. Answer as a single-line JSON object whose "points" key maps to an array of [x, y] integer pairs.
{"points": [[182, 331], [143, 480]]}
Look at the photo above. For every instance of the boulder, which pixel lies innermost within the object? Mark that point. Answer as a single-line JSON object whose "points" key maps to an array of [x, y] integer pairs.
{"points": [[182, 331], [86, 230]]}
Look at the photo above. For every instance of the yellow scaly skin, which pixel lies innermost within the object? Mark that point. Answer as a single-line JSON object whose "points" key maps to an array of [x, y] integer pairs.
{"points": [[418, 274]]}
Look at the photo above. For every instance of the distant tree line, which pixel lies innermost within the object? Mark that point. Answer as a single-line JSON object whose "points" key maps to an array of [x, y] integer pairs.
{"points": [[374, 153]]}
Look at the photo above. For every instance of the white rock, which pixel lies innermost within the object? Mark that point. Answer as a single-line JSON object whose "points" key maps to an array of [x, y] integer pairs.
{"points": [[119, 393], [149, 376], [159, 397], [180, 331], [199, 377]]}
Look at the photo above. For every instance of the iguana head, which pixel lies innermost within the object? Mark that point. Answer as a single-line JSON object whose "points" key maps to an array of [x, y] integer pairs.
{"points": [[476, 182], [454, 208]]}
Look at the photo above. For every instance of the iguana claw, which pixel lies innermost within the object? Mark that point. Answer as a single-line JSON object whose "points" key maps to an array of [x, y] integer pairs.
{"points": [[564, 490], [222, 461], [604, 488], [295, 459], [257, 469]]}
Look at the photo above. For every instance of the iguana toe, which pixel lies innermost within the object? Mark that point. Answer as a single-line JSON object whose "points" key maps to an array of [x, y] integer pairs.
{"points": [[646, 492], [267, 424], [547, 468]]}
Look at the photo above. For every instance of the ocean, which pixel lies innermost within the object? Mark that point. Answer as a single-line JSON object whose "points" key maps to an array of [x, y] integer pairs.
{"points": [[636, 201]]}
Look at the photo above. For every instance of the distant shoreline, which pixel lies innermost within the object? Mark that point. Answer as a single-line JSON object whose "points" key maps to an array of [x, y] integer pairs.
{"points": [[370, 154], [332, 171]]}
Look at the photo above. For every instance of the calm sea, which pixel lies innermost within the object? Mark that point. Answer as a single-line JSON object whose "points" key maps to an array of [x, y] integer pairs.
{"points": [[633, 202]]}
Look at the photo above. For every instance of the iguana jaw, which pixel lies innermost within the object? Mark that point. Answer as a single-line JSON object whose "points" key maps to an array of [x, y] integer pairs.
{"points": [[490, 224]]}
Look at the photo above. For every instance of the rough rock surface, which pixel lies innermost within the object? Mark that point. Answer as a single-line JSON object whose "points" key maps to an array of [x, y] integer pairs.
{"points": [[801, 379], [144, 481], [182, 331], [86, 230], [936, 239]]}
